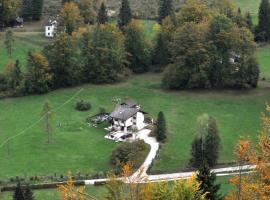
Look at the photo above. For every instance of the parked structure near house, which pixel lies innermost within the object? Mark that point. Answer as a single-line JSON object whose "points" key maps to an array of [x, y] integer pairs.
{"points": [[18, 22], [50, 28], [127, 117], [111, 12]]}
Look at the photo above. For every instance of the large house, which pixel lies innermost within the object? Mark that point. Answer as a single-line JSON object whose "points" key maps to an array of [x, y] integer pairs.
{"points": [[127, 116], [50, 28]]}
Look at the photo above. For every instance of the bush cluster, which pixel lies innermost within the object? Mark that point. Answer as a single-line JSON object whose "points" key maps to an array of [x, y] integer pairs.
{"points": [[83, 105]]}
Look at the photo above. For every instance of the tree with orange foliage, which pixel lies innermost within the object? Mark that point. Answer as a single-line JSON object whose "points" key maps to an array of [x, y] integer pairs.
{"points": [[38, 76], [131, 187], [68, 191], [255, 185]]}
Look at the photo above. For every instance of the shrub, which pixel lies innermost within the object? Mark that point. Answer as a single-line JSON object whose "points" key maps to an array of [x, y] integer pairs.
{"points": [[134, 152], [83, 105], [102, 110]]}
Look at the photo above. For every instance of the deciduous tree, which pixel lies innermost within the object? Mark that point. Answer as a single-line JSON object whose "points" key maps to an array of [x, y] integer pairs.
{"points": [[104, 54], [206, 145], [38, 75], [9, 42], [137, 47], [69, 18], [62, 55], [47, 116]]}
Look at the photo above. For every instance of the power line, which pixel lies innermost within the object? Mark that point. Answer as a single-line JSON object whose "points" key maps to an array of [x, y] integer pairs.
{"points": [[39, 120]]}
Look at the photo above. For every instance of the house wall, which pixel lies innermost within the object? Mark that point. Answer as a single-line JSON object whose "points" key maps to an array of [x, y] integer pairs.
{"points": [[136, 121], [140, 120], [49, 31]]}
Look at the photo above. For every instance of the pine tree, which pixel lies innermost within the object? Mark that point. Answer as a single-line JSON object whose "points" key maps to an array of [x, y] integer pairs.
{"points": [[263, 28], [18, 193], [15, 76], [207, 182], [37, 7], [165, 9], [249, 21], [27, 9], [160, 130], [125, 14], [28, 194], [102, 14]]}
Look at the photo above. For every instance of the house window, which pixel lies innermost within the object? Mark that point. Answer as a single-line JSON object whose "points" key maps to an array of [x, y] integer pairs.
{"points": [[49, 28], [49, 34], [134, 123]]}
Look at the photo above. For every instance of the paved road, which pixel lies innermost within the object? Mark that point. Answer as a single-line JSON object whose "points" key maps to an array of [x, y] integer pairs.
{"points": [[141, 175]]}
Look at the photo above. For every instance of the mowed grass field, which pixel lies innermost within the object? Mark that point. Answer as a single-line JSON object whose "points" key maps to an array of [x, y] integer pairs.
{"points": [[251, 6], [78, 147]]}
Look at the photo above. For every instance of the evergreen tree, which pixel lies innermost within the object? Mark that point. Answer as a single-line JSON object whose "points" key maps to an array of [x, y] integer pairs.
{"points": [[161, 129], [28, 194], [207, 182], [27, 9], [125, 14], [18, 193], [165, 9], [102, 14], [15, 76], [37, 7], [137, 47], [249, 21], [263, 28]]}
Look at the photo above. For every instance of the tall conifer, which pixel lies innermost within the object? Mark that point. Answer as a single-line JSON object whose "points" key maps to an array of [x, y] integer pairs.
{"points": [[263, 28], [165, 9], [37, 9], [125, 14], [102, 14], [207, 182]]}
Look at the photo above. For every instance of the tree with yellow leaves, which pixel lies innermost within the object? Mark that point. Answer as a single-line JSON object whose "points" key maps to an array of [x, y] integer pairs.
{"points": [[255, 185], [134, 188], [38, 76], [70, 18], [68, 191]]}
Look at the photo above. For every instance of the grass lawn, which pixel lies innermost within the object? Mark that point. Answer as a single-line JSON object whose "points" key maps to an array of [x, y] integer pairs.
{"points": [[78, 147], [251, 6], [263, 57], [24, 42]]}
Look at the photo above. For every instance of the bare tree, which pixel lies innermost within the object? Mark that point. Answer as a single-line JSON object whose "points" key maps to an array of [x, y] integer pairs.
{"points": [[47, 115]]}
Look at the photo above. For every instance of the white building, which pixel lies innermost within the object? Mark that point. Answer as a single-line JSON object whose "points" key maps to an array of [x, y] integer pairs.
{"points": [[127, 117], [50, 28]]}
